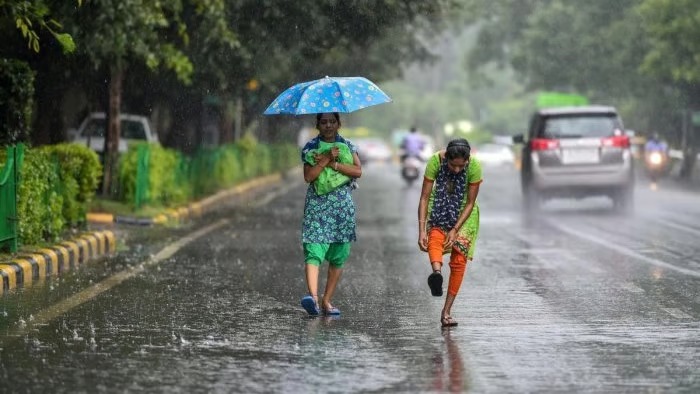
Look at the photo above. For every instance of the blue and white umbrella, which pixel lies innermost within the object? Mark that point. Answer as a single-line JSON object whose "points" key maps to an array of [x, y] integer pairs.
{"points": [[329, 94]]}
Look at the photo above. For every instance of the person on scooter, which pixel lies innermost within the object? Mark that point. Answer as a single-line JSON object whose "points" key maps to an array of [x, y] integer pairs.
{"points": [[655, 158], [655, 144], [412, 144]]}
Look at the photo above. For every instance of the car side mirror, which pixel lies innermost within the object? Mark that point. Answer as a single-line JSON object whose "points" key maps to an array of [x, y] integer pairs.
{"points": [[518, 139]]}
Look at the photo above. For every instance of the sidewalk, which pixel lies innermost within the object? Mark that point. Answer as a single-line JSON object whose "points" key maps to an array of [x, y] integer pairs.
{"points": [[35, 265]]}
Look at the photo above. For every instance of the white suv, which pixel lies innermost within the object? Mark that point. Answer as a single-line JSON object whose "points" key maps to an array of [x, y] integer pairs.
{"points": [[575, 152], [92, 131]]}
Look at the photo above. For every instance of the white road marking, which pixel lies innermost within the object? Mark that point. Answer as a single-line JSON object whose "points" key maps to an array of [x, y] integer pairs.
{"points": [[274, 194], [677, 226], [677, 313], [623, 250]]}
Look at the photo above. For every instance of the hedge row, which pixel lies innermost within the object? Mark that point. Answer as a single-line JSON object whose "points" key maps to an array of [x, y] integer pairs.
{"points": [[175, 179], [57, 182]]}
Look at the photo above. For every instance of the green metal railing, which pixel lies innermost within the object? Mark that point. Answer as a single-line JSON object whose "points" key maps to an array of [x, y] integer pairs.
{"points": [[205, 172], [142, 178], [9, 182]]}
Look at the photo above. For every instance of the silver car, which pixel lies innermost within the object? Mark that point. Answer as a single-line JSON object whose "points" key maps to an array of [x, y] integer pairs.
{"points": [[576, 152]]}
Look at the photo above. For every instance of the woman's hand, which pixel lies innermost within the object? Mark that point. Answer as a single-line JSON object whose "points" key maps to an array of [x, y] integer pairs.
{"points": [[335, 151], [423, 241], [323, 159], [450, 239]]}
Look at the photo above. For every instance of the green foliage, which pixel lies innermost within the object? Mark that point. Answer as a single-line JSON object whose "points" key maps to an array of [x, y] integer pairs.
{"points": [[264, 160], [227, 170], [39, 200], [247, 148], [79, 173], [28, 15], [673, 29], [56, 185], [116, 32], [35, 216], [175, 179], [164, 189], [639, 55], [16, 100], [283, 157]]}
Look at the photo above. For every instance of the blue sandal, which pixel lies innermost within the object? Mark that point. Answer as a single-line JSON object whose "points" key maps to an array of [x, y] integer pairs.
{"points": [[309, 304], [331, 312]]}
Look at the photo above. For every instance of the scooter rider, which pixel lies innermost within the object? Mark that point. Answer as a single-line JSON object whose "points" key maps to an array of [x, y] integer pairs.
{"points": [[655, 158], [412, 144], [655, 144]]}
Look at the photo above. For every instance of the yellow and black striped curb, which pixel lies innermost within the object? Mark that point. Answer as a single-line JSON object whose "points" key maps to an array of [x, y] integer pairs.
{"points": [[193, 210], [35, 266]]}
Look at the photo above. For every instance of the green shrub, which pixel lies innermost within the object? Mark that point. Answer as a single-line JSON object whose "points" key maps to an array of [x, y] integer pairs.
{"points": [[175, 179], [283, 157], [247, 148], [39, 201], [79, 173], [264, 160], [228, 167], [164, 188]]}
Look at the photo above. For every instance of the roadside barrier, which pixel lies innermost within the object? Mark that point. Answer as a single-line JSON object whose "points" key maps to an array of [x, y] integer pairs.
{"points": [[27, 268], [9, 180]]}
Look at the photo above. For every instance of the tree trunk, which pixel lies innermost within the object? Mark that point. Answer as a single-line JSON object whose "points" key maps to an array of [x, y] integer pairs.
{"points": [[111, 148]]}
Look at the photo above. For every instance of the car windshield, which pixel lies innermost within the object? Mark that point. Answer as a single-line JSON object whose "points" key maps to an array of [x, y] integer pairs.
{"points": [[129, 129], [591, 126], [94, 128], [133, 130]]}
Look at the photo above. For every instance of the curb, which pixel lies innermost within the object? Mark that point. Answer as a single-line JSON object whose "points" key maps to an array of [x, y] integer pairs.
{"points": [[192, 210], [35, 266]]}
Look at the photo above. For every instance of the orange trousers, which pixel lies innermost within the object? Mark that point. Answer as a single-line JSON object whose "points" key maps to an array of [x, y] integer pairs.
{"points": [[458, 261]]}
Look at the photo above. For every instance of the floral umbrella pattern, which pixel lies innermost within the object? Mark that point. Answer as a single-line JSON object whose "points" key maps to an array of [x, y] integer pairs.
{"points": [[329, 94]]}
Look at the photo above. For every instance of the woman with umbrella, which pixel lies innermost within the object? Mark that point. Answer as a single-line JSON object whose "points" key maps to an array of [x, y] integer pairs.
{"points": [[329, 219], [329, 212], [448, 217]]}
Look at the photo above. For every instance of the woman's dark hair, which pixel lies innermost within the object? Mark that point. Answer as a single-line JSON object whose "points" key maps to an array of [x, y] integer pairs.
{"points": [[318, 117], [458, 148]]}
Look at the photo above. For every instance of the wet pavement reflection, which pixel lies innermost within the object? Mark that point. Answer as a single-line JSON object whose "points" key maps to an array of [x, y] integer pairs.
{"points": [[573, 299]]}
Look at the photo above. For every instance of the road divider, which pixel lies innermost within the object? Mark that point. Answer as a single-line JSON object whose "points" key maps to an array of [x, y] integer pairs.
{"points": [[27, 268]]}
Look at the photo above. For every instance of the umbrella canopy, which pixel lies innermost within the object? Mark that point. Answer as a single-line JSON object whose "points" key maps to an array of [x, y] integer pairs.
{"points": [[329, 94]]}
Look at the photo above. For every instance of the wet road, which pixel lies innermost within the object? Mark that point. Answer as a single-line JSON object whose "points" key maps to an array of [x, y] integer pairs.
{"points": [[578, 299]]}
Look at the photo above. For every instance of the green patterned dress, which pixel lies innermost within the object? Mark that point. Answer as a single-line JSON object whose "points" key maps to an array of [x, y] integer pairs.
{"points": [[468, 233]]}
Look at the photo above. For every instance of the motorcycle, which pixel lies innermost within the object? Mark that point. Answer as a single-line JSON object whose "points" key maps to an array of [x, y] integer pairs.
{"points": [[655, 164], [410, 169]]}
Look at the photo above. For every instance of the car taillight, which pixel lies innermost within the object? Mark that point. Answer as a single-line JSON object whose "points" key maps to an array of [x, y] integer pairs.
{"points": [[618, 141], [538, 144]]}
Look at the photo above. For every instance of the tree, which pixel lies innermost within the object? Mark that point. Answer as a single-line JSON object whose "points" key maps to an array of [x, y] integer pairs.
{"points": [[277, 43], [596, 49], [113, 33], [673, 31]]}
